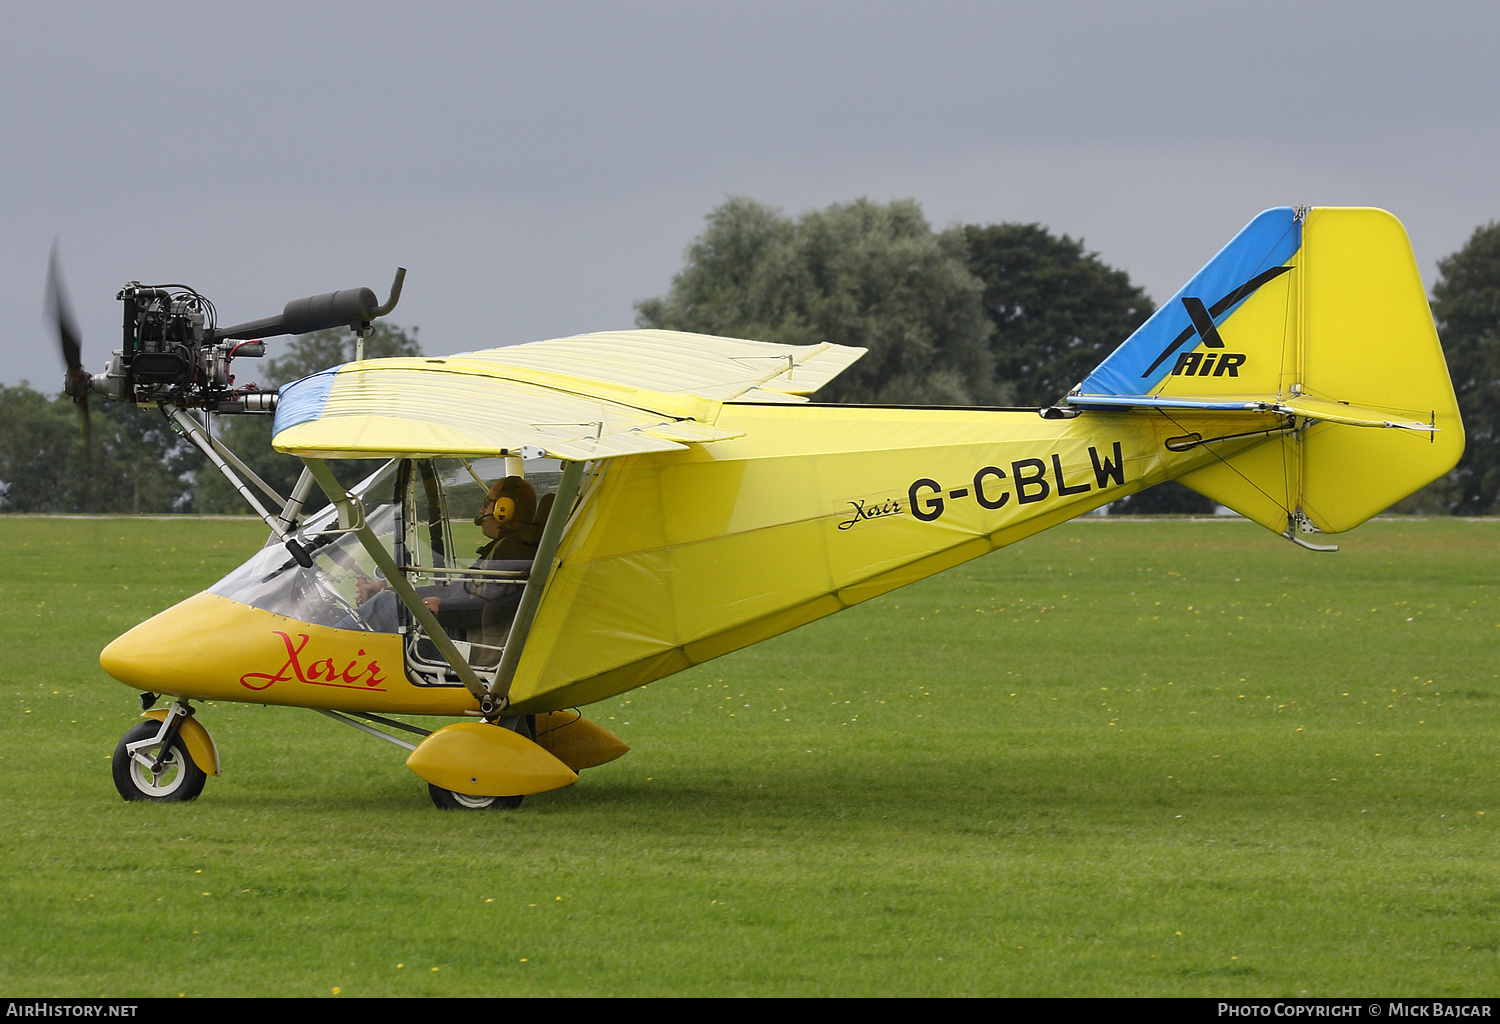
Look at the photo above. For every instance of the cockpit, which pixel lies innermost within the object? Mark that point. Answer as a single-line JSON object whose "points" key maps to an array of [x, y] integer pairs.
{"points": [[464, 531]]}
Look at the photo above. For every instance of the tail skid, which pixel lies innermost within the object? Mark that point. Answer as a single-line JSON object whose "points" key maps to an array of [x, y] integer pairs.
{"points": [[1317, 316]]}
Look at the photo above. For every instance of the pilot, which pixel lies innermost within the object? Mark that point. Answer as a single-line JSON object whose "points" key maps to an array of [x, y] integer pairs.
{"points": [[508, 519]]}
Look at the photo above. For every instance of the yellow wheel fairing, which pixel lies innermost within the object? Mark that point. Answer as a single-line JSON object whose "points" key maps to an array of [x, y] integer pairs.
{"points": [[576, 741], [214, 648], [200, 745], [479, 759]]}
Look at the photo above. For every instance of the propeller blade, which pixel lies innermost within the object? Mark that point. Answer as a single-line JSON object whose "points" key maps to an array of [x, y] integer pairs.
{"points": [[77, 382], [60, 311]]}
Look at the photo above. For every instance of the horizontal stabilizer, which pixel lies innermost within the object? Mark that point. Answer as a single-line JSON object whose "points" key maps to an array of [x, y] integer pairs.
{"points": [[1301, 406], [1158, 402], [1328, 411]]}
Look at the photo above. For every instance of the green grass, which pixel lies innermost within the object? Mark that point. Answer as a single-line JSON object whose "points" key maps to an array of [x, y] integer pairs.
{"points": [[1121, 758]]}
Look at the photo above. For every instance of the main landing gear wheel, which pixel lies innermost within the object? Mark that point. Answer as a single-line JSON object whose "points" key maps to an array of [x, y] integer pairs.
{"points": [[451, 801], [179, 779]]}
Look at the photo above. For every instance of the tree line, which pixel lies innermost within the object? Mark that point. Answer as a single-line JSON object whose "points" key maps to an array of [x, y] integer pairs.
{"points": [[990, 315], [137, 462]]}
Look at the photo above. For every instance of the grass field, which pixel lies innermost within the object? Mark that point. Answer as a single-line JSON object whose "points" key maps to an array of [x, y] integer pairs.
{"points": [[1121, 758]]}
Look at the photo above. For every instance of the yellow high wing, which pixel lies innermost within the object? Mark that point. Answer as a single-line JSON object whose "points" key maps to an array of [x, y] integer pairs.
{"points": [[589, 397]]}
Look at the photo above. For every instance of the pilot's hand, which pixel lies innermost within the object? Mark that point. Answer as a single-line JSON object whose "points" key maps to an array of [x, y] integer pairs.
{"points": [[432, 603], [366, 588]]}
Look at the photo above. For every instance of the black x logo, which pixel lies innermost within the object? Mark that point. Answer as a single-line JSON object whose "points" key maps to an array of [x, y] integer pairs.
{"points": [[1203, 317]]}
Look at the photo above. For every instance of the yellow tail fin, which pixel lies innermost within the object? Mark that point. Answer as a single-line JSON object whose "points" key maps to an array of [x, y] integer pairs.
{"points": [[1319, 315]]}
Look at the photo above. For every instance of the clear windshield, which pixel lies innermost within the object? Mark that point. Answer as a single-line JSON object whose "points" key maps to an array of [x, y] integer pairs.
{"points": [[330, 593]]}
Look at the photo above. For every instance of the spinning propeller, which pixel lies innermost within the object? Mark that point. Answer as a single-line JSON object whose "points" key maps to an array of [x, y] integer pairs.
{"points": [[78, 382]]}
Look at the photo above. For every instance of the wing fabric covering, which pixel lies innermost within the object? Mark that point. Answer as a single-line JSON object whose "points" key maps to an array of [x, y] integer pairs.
{"points": [[1323, 318], [590, 397]]}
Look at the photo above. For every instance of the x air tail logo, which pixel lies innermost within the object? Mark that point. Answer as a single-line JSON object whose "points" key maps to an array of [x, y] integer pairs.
{"points": [[1202, 364]]}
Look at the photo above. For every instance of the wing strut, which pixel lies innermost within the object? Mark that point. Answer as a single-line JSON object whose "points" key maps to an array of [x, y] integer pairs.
{"points": [[226, 462], [541, 568]]}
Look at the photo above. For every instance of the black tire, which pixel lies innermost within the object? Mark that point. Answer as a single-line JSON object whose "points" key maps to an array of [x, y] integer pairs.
{"points": [[448, 800], [180, 780]]}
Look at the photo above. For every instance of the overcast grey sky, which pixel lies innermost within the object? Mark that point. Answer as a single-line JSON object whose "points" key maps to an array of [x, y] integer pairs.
{"points": [[541, 167]]}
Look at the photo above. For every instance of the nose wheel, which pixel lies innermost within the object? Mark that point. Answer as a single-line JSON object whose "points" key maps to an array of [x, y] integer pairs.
{"points": [[148, 767]]}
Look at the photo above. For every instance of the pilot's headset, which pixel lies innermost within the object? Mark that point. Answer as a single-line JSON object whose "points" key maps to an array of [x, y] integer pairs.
{"points": [[512, 502]]}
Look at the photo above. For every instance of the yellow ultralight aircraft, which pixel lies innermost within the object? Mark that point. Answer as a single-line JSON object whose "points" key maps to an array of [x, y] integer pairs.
{"points": [[641, 501]]}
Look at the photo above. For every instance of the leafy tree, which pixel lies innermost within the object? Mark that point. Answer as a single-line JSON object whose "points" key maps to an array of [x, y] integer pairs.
{"points": [[1058, 309], [877, 276], [863, 274], [135, 462], [40, 452], [249, 436], [139, 464], [1466, 305]]}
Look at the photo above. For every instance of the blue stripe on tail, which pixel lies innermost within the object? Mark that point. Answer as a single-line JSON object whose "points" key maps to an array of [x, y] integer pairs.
{"points": [[1253, 257]]}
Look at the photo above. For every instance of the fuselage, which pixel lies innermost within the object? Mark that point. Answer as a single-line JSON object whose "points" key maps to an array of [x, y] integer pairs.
{"points": [[673, 558]]}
